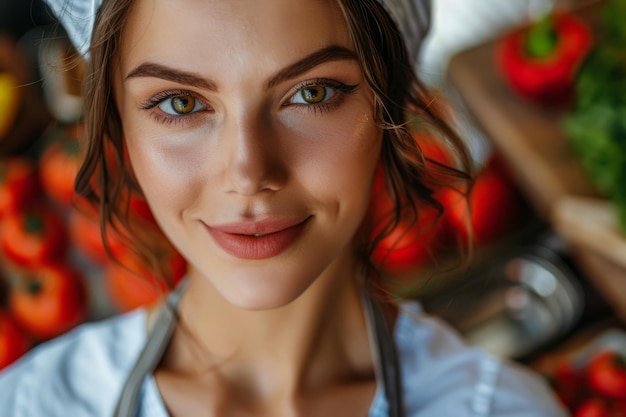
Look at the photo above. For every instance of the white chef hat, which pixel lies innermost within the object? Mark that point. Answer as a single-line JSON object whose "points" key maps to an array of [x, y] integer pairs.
{"points": [[412, 18], [78, 18]]}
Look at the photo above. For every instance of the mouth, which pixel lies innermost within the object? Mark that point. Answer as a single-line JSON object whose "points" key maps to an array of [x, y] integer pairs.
{"points": [[258, 240]]}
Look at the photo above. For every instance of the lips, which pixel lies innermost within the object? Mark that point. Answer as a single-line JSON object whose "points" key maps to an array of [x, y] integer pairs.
{"points": [[257, 240]]}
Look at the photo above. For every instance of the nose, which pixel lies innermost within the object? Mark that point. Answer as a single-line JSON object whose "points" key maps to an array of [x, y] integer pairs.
{"points": [[255, 161]]}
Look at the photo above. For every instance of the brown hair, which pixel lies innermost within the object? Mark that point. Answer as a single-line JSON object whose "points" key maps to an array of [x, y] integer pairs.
{"points": [[404, 107], [406, 110], [105, 178]]}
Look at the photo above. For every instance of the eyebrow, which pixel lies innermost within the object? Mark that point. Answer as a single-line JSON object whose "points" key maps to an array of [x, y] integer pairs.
{"points": [[327, 54], [151, 69]]}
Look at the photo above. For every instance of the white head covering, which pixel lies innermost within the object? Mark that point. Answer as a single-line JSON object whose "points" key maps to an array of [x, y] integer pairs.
{"points": [[78, 18], [411, 16]]}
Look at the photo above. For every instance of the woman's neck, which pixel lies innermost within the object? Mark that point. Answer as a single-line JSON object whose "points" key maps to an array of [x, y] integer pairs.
{"points": [[318, 340]]}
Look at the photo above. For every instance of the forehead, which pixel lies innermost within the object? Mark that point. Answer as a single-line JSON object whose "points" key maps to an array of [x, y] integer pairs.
{"points": [[268, 32]]}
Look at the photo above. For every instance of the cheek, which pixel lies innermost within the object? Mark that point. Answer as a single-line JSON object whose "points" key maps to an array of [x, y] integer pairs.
{"points": [[163, 171], [165, 174], [342, 158]]}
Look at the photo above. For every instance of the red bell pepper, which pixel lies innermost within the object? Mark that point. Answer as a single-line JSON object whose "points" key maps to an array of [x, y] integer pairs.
{"points": [[607, 374], [540, 62]]}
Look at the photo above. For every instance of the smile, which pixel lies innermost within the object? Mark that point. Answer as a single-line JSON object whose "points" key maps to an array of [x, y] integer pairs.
{"points": [[257, 240]]}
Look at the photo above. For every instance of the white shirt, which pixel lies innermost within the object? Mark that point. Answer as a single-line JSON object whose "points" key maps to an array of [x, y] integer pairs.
{"points": [[81, 374]]}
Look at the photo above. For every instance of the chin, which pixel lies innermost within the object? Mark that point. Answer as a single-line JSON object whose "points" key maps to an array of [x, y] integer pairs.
{"points": [[264, 296], [256, 291]]}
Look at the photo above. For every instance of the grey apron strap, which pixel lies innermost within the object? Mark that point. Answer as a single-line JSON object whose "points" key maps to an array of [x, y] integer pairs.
{"points": [[381, 336], [385, 355], [158, 340]]}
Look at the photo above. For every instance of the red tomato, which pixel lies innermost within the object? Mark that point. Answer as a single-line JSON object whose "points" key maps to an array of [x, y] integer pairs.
{"points": [[494, 206], [13, 340], [607, 374], [85, 233], [59, 165], [49, 300], [132, 284], [34, 236], [435, 153], [567, 376], [139, 207], [406, 247], [568, 383], [618, 408], [592, 407], [18, 184]]}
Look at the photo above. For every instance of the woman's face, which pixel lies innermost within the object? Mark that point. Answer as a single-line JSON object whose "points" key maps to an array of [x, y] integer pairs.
{"points": [[250, 129]]}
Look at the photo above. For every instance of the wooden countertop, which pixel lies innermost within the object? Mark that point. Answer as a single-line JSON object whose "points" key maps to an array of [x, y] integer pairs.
{"points": [[541, 160], [529, 137]]}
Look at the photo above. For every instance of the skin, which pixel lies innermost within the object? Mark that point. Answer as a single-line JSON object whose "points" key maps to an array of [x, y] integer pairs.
{"points": [[283, 335]]}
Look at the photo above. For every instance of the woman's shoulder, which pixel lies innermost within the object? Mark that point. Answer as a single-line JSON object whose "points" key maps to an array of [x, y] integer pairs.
{"points": [[443, 376], [78, 374]]}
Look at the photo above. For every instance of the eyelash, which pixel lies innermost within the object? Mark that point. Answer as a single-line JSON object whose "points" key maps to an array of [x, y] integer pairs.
{"points": [[341, 91], [165, 118]]}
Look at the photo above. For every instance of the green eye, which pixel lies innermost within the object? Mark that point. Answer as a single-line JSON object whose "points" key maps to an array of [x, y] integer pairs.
{"points": [[314, 95]]}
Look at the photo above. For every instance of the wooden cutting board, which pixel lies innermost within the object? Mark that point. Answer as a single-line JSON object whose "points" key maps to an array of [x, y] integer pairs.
{"points": [[529, 137], [591, 223], [532, 140]]}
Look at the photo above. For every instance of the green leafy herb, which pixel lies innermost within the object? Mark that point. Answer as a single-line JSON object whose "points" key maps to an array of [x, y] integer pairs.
{"points": [[596, 126]]}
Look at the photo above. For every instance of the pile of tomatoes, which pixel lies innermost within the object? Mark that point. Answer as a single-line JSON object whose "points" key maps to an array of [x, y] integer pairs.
{"points": [[592, 384], [51, 249], [479, 216]]}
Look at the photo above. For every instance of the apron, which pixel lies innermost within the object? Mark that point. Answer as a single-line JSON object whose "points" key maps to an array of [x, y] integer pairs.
{"points": [[381, 337]]}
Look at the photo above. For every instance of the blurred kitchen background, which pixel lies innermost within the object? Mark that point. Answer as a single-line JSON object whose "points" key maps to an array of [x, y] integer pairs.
{"points": [[544, 120]]}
